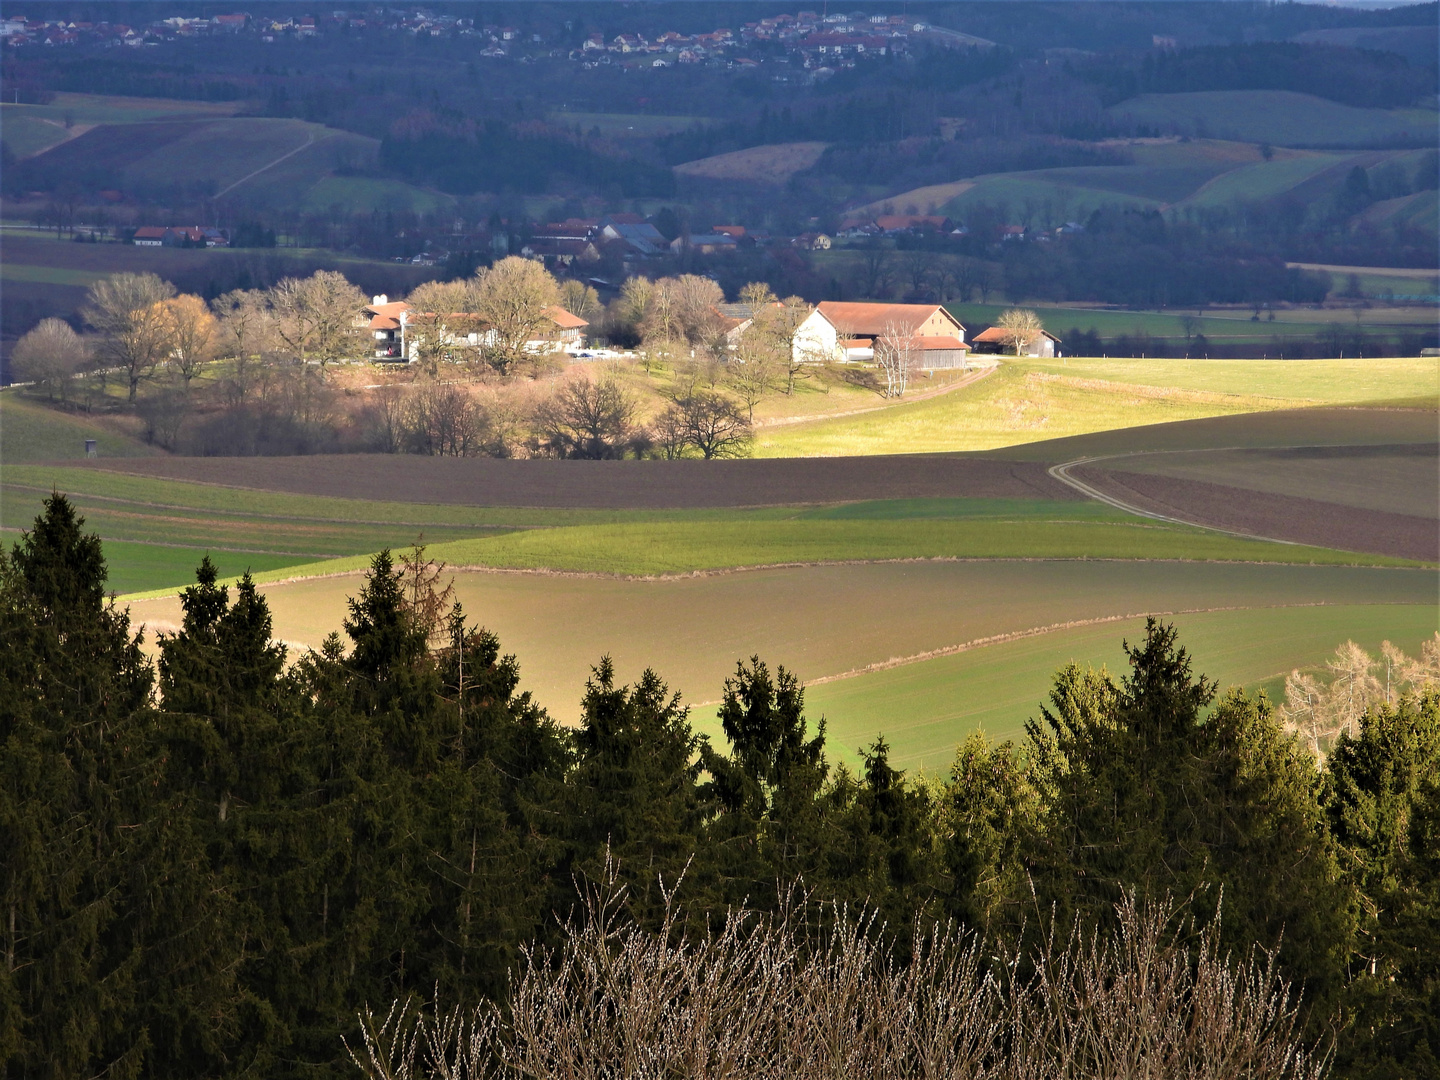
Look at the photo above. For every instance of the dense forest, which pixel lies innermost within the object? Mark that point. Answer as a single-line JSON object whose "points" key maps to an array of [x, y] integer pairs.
{"points": [[211, 864]]}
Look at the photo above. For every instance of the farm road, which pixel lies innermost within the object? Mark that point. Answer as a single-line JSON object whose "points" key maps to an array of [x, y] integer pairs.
{"points": [[615, 484], [1264, 515]]}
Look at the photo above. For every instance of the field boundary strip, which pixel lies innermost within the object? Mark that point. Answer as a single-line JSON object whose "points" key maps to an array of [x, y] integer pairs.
{"points": [[358, 565], [1034, 632], [924, 395]]}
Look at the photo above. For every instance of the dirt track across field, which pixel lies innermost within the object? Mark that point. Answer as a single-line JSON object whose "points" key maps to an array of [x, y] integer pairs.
{"points": [[614, 484], [1281, 517]]}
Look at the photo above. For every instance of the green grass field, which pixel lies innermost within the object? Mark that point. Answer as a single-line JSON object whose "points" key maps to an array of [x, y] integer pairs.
{"points": [[1031, 401], [1280, 117], [925, 709], [682, 547], [30, 431], [49, 275]]}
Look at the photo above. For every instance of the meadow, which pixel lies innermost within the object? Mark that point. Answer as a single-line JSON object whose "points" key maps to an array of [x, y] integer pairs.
{"points": [[1279, 117], [924, 709], [1032, 401]]}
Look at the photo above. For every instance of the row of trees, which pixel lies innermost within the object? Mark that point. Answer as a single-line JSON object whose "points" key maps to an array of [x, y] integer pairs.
{"points": [[209, 865]]}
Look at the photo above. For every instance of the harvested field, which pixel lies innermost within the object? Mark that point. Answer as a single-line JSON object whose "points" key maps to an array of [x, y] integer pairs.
{"points": [[819, 621], [1403, 479], [615, 484], [1281, 517], [774, 164], [1356, 426]]}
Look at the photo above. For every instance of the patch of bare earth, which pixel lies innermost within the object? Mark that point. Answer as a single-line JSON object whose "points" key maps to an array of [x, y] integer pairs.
{"points": [[1279, 517], [615, 484]]}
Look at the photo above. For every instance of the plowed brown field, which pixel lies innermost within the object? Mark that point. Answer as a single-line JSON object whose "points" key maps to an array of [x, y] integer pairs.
{"points": [[616, 484]]}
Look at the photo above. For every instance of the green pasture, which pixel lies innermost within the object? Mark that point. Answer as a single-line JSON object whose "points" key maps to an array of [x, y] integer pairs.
{"points": [[1280, 117], [926, 709], [1113, 323], [1049, 195], [48, 275], [1014, 405], [1418, 211], [107, 109], [1264, 180], [1333, 382], [684, 547], [27, 134], [33, 432], [135, 568], [1032, 401], [360, 193]]}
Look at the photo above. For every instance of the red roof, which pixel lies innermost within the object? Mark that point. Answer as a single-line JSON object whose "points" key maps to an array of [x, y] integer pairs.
{"points": [[999, 333], [150, 232], [927, 343], [875, 319], [563, 319]]}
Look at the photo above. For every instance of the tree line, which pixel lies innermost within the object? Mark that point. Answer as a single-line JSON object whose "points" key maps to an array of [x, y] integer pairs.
{"points": [[212, 863]]}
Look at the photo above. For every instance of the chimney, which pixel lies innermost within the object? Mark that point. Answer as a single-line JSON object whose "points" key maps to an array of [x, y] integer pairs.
{"points": [[376, 301]]}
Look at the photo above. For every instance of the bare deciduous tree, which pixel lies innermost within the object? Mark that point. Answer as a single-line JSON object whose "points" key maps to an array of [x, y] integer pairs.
{"points": [[128, 311], [441, 318], [317, 317], [588, 419], [247, 333], [511, 297], [1019, 326], [1320, 707], [50, 355], [711, 423], [193, 334], [898, 354], [579, 299]]}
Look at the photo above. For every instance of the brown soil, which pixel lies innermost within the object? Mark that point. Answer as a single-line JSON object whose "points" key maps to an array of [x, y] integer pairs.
{"points": [[1280, 517], [1356, 426], [615, 484]]}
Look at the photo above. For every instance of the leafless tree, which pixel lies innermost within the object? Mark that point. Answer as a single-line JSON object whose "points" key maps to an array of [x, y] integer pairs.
{"points": [[193, 334], [898, 354], [579, 299], [711, 423], [755, 373], [876, 271], [1020, 326], [773, 998], [128, 311], [512, 297], [920, 268], [247, 334], [588, 419], [440, 321], [50, 355], [317, 318], [984, 281]]}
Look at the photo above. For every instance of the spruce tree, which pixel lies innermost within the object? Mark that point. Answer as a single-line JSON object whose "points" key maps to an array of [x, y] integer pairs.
{"points": [[1382, 799], [633, 794]]}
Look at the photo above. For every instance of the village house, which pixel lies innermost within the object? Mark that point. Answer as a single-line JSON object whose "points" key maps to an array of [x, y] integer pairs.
{"points": [[837, 331], [391, 323], [703, 243], [999, 340]]}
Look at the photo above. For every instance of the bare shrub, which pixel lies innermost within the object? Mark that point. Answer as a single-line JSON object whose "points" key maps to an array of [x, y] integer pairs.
{"points": [[766, 997]]}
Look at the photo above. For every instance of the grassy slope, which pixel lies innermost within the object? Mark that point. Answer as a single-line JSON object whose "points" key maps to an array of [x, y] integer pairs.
{"points": [[33, 432], [1281, 117], [1027, 402], [924, 709]]}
